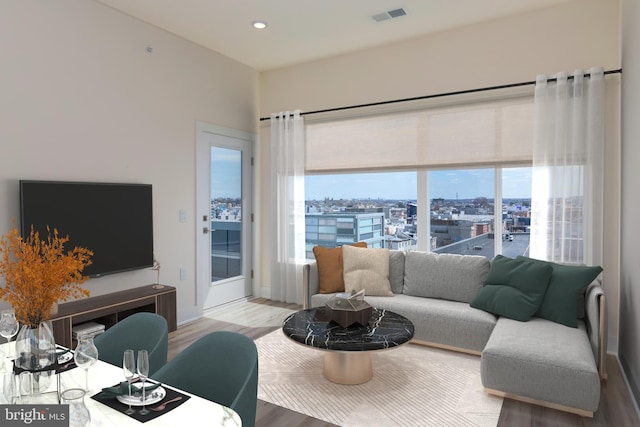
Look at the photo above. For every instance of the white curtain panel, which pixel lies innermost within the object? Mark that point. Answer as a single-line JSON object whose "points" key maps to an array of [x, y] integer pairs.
{"points": [[568, 149], [287, 205]]}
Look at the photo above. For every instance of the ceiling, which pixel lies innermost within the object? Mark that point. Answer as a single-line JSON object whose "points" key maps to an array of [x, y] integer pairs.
{"points": [[305, 30]]}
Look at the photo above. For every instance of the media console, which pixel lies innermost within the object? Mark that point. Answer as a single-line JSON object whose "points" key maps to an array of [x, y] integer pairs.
{"points": [[109, 309]]}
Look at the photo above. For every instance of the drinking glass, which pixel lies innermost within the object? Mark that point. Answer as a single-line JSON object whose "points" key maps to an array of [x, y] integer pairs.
{"points": [[129, 368], [85, 355], [26, 388], [143, 372], [8, 328], [9, 392]]}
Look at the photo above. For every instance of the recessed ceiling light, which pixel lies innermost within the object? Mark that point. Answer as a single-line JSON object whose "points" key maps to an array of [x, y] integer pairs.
{"points": [[259, 25]]}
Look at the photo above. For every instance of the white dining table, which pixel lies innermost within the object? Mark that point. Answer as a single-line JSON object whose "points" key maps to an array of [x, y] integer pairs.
{"points": [[194, 412]]}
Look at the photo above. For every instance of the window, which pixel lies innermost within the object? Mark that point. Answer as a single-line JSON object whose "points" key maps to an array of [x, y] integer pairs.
{"points": [[464, 215], [462, 211], [368, 207], [446, 178]]}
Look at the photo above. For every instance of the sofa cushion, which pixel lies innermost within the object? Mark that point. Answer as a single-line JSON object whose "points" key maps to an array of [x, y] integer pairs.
{"points": [[514, 288], [445, 276], [436, 321], [440, 321], [330, 268], [566, 290], [396, 271], [542, 360], [366, 269]]}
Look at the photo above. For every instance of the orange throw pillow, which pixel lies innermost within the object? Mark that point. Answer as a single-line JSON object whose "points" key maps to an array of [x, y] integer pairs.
{"points": [[330, 267]]}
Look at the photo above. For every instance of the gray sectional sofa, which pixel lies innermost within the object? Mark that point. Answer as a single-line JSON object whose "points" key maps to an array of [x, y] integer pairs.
{"points": [[538, 361]]}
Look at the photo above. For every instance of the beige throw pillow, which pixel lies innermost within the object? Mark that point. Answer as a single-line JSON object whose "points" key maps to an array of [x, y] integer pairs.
{"points": [[366, 269]]}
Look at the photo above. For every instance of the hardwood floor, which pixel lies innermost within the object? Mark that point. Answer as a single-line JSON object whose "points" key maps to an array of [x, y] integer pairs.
{"points": [[260, 316], [267, 415]]}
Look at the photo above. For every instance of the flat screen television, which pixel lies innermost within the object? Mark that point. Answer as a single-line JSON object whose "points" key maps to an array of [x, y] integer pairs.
{"points": [[115, 221]]}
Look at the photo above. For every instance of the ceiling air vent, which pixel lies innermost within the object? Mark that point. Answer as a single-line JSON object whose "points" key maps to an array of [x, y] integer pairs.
{"points": [[396, 13]]}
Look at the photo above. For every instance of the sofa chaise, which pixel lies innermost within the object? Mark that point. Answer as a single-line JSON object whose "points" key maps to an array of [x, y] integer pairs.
{"points": [[538, 361]]}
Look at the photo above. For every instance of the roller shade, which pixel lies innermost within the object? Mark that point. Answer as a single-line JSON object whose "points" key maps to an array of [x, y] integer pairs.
{"points": [[486, 133]]}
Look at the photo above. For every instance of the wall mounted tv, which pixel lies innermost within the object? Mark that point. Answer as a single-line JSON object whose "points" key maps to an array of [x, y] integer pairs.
{"points": [[115, 221]]}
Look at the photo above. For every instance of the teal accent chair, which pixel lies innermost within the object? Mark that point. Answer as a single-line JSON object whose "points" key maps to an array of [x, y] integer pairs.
{"points": [[139, 331], [222, 367]]}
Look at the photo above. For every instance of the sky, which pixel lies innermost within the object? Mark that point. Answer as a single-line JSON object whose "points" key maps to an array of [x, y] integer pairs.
{"points": [[226, 173]]}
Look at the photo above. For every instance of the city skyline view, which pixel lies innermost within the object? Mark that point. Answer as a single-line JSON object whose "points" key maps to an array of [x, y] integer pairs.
{"points": [[447, 184]]}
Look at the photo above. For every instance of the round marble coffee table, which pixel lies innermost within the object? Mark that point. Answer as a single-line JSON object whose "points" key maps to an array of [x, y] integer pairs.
{"points": [[347, 358]]}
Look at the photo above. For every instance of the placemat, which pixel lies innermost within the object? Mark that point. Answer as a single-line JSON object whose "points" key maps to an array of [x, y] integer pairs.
{"points": [[114, 403], [58, 367], [68, 365]]}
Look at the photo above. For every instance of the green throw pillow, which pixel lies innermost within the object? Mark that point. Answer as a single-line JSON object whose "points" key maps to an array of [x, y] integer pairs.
{"points": [[514, 288], [568, 282]]}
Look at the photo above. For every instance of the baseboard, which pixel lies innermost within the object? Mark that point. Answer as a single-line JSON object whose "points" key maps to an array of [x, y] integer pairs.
{"points": [[581, 412], [265, 292], [627, 383], [189, 320]]}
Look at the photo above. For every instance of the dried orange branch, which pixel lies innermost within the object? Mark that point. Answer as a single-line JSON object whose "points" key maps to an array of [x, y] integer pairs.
{"points": [[39, 273]]}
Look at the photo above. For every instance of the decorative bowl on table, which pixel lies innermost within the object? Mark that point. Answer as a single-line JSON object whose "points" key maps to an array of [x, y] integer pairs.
{"points": [[347, 309]]}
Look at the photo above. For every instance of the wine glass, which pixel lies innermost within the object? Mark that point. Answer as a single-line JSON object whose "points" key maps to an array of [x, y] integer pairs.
{"points": [[129, 368], [8, 328], [85, 355], [143, 372]]}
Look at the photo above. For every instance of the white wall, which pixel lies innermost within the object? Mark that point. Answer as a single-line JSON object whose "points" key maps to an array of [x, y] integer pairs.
{"points": [[82, 100], [506, 50], [629, 352], [577, 34]]}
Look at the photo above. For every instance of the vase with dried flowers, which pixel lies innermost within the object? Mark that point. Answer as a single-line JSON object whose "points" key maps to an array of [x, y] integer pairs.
{"points": [[38, 273]]}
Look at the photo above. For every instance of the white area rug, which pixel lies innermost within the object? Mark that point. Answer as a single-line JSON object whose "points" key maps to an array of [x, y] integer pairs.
{"points": [[412, 385]]}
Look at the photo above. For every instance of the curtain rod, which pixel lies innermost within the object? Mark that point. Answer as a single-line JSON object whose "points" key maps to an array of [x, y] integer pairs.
{"points": [[438, 95]]}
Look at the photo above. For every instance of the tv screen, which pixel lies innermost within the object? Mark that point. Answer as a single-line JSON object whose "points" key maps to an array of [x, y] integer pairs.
{"points": [[115, 221]]}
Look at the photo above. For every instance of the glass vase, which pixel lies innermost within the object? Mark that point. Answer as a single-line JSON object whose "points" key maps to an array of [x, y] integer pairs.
{"points": [[78, 413], [86, 355], [36, 353]]}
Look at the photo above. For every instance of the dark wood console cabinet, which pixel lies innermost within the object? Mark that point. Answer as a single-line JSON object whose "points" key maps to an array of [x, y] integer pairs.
{"points": [[109, 309]]}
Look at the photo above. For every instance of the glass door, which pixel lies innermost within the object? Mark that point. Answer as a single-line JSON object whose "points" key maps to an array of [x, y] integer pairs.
{"points": [[226, 213], [224, 217]]}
